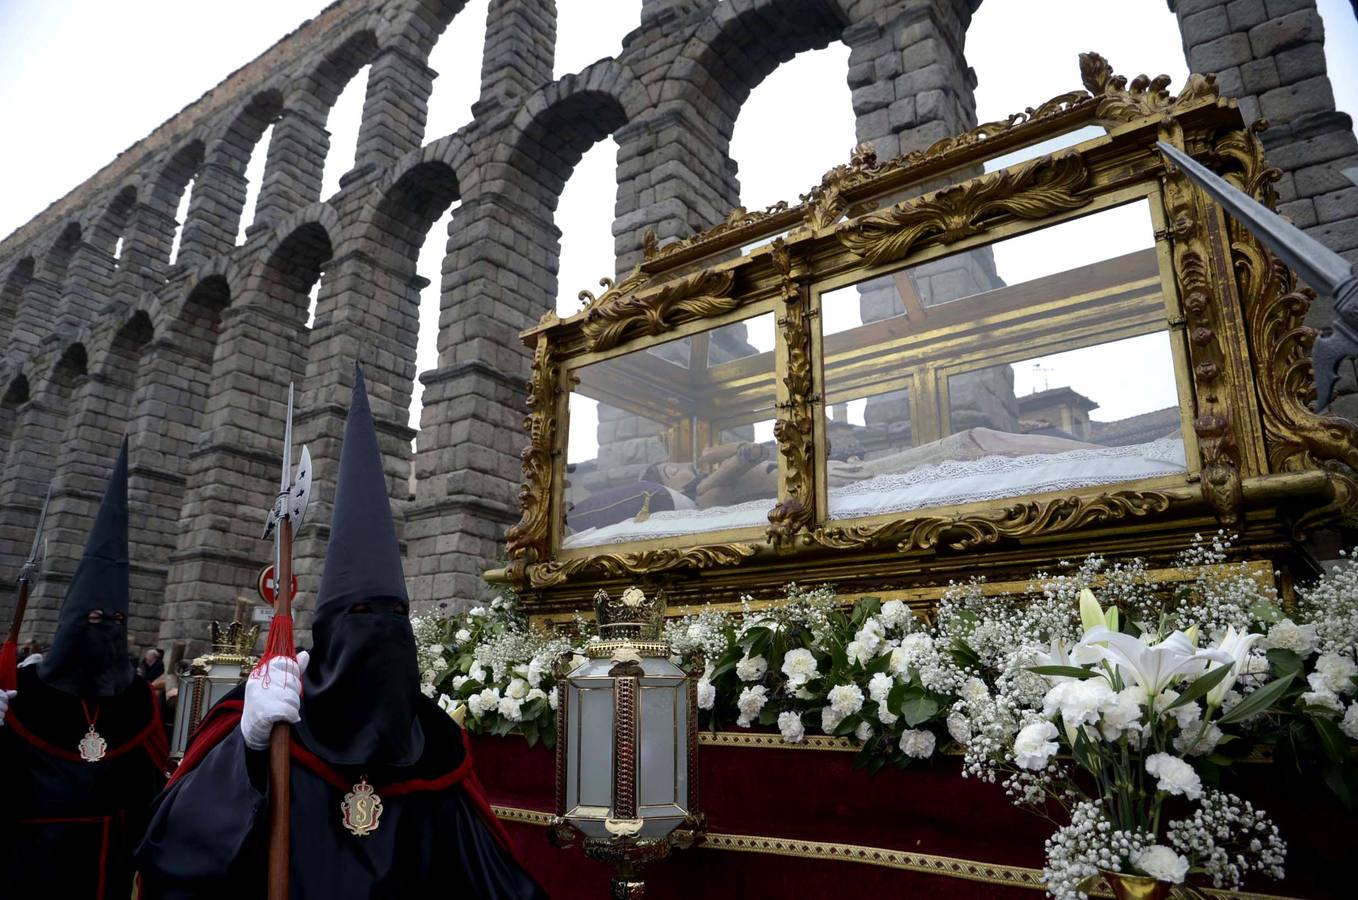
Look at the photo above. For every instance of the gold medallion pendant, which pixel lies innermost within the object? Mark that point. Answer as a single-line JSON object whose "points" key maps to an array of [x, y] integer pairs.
{"points": [[361, 809], [92, 746]]}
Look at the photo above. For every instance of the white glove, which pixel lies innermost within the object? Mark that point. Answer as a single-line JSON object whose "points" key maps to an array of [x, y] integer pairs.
{"points": [[272, 696], [5, 697]]}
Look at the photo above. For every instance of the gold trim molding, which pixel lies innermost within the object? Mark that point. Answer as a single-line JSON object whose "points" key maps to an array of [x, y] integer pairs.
{"points": [[620, 313], [1018, 520], [926, 863], [644, 562]]}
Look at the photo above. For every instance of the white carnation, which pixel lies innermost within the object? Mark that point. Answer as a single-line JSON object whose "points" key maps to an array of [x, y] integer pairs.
{"points": [[917, 743], [895, 614], [462, 636], [879, 687], [1078, 702], [1035, 745], [1322, 700], [857, 653], [1336, 673], [845, 699], [751, 668], [552, 701], [482, 702], [829, 719], [1287, 635], [1174, 775], [790, 724], [863, 732], [1123, 714], [518, 689], [1162, 863], [751, 703], [799, 666], [871, 637], [510, 708], [1349, 724], [477, 672], [707, 694], [913, 650]]}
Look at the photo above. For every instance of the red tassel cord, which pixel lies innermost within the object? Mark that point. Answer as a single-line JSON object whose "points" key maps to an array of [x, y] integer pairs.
{"points": [[279, 644]]}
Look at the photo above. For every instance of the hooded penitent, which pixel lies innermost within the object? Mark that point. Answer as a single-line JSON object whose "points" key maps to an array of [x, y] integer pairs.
{"points": [[87, 658], [361, 689]]}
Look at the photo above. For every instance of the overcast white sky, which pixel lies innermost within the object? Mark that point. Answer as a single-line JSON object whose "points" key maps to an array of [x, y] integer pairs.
{"points": [[81, 80]]}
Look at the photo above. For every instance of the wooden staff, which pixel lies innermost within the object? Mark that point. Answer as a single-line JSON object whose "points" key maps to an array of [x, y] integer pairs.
{"points": [[280, 741], [288, 511]]}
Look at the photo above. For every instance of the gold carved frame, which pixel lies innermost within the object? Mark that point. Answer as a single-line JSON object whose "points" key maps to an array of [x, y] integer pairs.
{"points": [[1266, 466]]}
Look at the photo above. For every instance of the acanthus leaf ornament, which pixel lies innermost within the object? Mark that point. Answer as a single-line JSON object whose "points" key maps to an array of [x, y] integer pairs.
{"points": [[621, 314], [1201, 296], [530, 537], [1032, 190], [361, 809], [1119, 101], [793, 430], [1296, 438]]}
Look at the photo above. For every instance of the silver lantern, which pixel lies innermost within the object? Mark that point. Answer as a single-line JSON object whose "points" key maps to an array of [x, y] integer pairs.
{"points": [[627, 736], [211, 677]]}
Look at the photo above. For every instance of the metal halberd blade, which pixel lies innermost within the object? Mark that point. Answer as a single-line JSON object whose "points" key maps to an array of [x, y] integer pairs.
{"points": [[293, 497], [39, 549], [1317, 265]]}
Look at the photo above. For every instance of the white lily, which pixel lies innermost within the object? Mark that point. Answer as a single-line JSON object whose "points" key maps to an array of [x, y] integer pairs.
{"points": [[1152, 666], [1092, 615], [1060, 655], [1238, 645]]}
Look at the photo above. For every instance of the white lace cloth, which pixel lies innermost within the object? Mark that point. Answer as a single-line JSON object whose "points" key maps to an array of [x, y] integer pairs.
{"points": [[942, 484]]}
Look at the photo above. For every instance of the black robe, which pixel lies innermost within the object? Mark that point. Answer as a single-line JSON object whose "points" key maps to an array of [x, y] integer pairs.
{"points": [[67, 826], [208, 836]]}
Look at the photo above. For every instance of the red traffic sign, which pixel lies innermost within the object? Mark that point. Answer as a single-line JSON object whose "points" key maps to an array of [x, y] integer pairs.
{"points": [[268, 586]]}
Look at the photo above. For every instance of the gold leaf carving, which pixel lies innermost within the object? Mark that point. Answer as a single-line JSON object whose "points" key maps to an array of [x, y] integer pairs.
{"points": [[621, 313], [737, 220], [1120, 102], [1030, 191], [1296, 438], [1026, 519], [793, 430], [530, 538], [645, 562], [1200, 295], [824, 203]]}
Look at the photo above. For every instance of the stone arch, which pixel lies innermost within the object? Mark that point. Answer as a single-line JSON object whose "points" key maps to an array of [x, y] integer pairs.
{"points": [[296, 163], [220, 195], [11, 295], [39, 430], [151, 237], [16, 395]]}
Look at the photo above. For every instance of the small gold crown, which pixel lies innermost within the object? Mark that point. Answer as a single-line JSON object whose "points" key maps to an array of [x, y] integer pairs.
{"points": [[234, 639], [630, 616]]}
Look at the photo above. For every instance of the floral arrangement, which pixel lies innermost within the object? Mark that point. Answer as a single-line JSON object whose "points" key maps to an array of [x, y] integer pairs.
{"points": [[1108, 703], [491, 671]]}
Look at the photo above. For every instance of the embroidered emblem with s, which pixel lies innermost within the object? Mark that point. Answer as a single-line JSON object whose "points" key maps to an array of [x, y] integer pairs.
{"points": [[362, 809]]}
